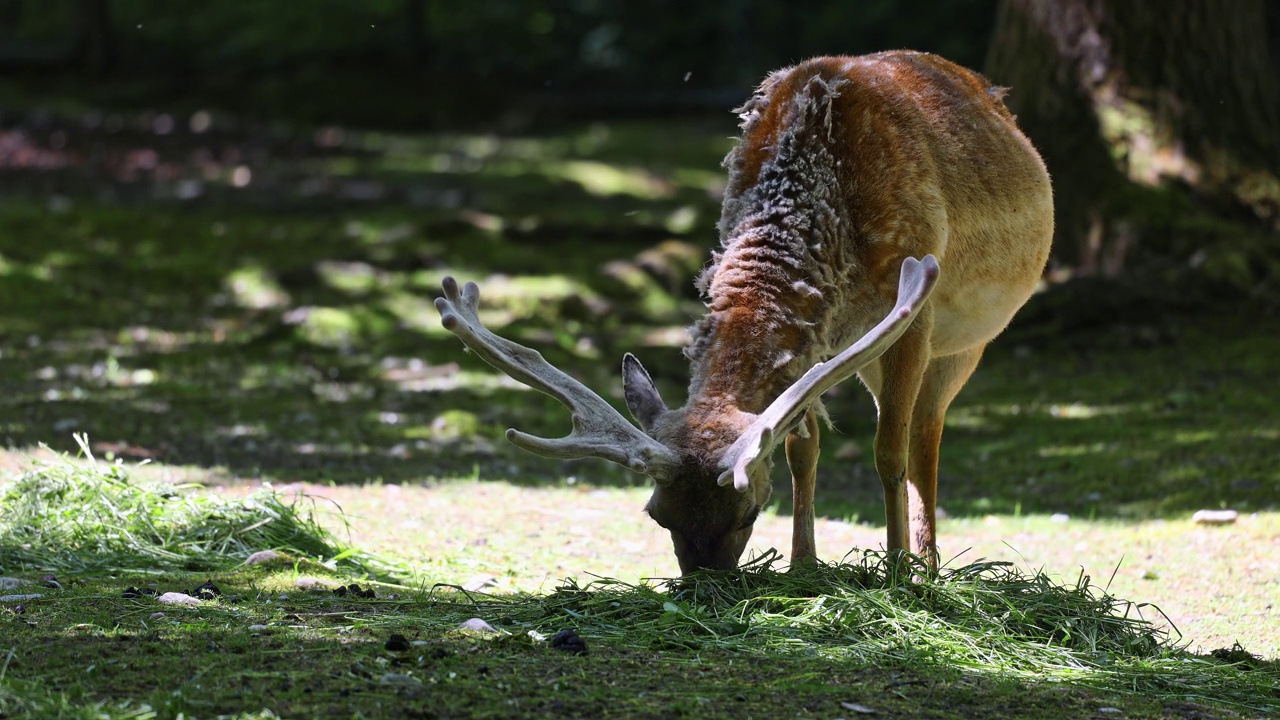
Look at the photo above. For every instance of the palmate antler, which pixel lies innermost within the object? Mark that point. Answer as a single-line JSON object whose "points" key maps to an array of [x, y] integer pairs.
{"points": [[598, 429], [749, 454]]}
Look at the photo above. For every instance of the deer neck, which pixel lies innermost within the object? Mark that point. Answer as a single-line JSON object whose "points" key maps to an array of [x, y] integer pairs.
{"points": [[766, 318], [775, 283]]}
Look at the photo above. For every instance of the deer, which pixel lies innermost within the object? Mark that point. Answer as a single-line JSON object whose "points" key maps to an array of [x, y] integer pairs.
{"points": [[883, 217]]}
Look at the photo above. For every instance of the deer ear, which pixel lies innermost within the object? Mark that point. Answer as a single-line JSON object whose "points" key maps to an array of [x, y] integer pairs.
{"points": [[643, 399]]}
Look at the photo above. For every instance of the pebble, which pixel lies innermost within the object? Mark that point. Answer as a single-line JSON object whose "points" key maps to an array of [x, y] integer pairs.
{"points": [[1214, 517], [477, 625], [176, 598], [262, 556], [310, 583]]}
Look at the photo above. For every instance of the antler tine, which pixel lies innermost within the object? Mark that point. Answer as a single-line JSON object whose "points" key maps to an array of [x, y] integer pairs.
{"points": [[746, 456], [598, 429]]}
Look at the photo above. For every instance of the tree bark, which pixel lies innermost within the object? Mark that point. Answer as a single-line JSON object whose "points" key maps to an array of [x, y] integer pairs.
{"points": [[415, 32], [96, 49], [1126, 96]]}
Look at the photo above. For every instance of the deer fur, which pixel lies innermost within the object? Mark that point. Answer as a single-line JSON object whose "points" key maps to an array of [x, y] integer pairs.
{"points": [[847, 169]]}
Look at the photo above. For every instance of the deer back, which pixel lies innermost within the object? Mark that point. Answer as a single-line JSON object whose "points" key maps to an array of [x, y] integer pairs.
{"points": [[847, 166]]}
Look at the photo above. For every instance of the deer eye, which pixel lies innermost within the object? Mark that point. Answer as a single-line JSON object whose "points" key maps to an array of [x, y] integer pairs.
{"points": [[750, 518]]}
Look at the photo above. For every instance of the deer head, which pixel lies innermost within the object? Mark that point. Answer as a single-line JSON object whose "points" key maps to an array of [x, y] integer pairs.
{"points": [[710, 460]]}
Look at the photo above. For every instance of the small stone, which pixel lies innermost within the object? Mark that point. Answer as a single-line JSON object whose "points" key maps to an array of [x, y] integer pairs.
{"points": [[477, 625], [310, 583], [155, 616], [1214, 517], [1059, 517], [400, 679], [9, 583], [397, 643], [176, 598], [858, 708], [20, 598], [50, 581], [262, 556], [259, 628]]}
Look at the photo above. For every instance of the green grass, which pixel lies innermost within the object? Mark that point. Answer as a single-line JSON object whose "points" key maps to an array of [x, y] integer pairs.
{"points": [[93, 519], [1017, 637]]}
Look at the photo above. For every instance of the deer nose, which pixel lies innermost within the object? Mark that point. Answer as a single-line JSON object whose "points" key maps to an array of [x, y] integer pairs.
{"points": [[720, 559]]}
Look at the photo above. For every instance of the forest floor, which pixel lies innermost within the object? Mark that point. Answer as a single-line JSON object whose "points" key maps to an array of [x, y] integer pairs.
{"points": [[248, 307]]}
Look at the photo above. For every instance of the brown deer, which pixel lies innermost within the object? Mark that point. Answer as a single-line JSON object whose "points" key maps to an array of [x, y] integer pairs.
{"points": [[848, 169]]}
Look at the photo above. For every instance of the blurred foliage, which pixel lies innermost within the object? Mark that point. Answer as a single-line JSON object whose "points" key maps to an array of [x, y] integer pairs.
{"points": [[442, 61]]}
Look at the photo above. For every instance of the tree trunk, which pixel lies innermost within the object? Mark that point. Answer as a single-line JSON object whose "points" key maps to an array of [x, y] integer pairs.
{"points": [[415, 32], [95, 37], [1124, 97]]}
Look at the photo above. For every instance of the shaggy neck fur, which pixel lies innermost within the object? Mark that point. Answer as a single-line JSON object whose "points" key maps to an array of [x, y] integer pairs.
{"points": [[774, 283]]}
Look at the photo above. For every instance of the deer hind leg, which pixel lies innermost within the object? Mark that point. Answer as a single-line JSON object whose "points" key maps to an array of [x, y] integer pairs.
{"points": [[802, 458], [942, 381], [895, 383]]}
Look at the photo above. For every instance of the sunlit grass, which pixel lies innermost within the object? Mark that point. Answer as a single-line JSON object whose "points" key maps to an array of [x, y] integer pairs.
{"points": [[92, 518]]}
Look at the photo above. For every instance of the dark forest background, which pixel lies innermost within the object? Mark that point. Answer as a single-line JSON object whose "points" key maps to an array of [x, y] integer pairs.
{"points": [[422, 64], [1159, 122]]}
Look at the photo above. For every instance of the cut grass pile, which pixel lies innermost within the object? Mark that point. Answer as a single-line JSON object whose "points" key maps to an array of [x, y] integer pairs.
{"points": [[98, 528], [988, 618], [94, 519]]}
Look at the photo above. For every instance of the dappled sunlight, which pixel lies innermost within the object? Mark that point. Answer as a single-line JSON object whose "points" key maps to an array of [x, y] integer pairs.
{"points": [[415, 376], [255, 287], [243, 430], [1081, 411], [1193, 437], [603, 179], [980, 417], [1074, 450], [353, 278], [670, 336]]}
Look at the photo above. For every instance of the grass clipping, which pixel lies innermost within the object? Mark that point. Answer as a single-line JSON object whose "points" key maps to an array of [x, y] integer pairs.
{"points": [[984, 618], [92, 518]]}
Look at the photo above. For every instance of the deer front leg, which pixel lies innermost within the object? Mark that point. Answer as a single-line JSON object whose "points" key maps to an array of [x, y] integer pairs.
{"points": [[896, 384], [802, 458]]}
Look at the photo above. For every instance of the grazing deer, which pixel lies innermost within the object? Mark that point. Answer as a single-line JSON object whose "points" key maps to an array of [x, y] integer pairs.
{"points": [[848, 169]]}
